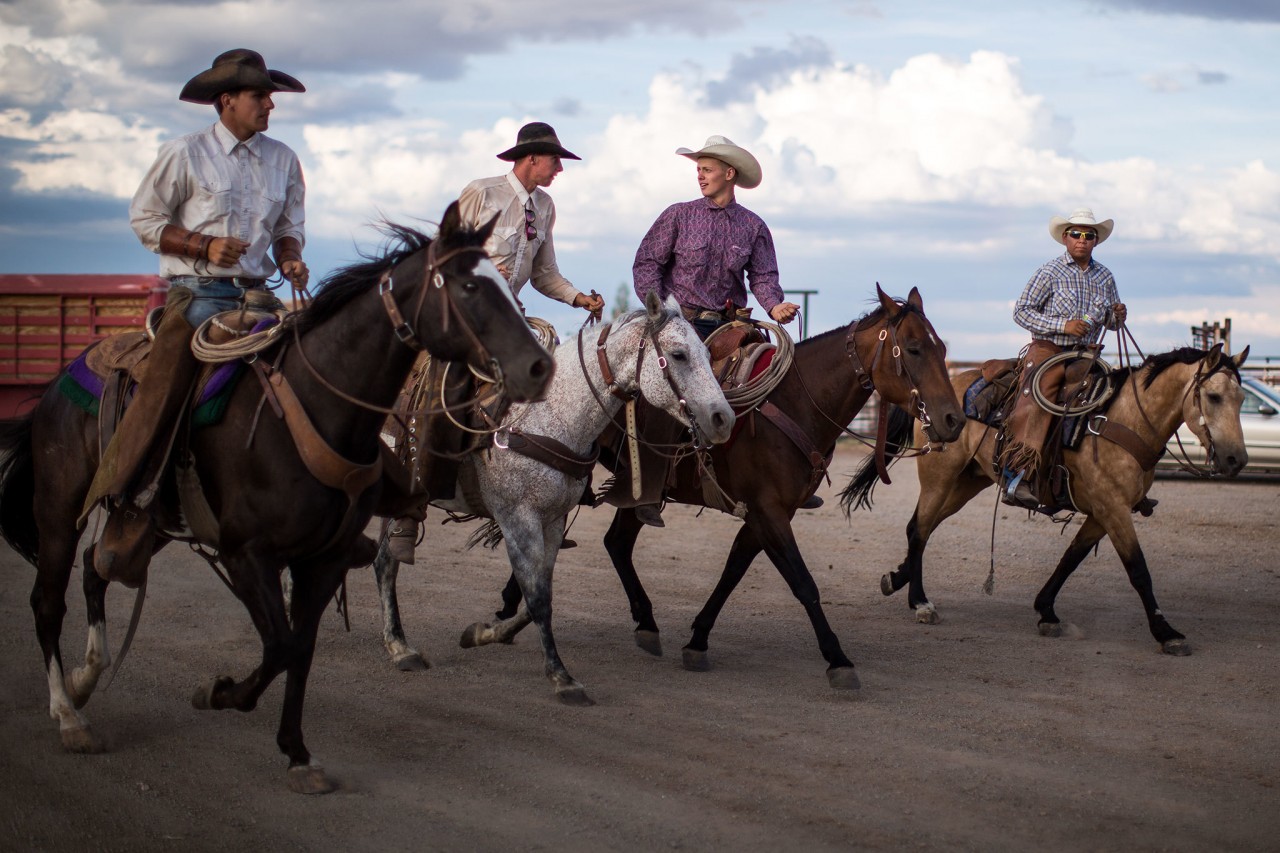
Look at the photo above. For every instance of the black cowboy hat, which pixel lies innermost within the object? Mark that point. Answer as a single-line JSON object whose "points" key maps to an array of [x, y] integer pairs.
{"points": [[236, 69], [536, 137]]}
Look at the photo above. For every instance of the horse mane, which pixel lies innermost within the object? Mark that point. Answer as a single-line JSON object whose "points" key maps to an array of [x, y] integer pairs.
{"points": [[346, 283], [1156, 364], [869, 319]]}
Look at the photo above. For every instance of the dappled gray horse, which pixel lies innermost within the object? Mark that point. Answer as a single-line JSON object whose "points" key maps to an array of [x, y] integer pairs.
{"points": [[537, 468]]}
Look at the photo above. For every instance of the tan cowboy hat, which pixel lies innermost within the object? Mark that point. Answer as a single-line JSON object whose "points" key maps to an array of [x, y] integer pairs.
{"points": [[236, 69], [1080, 216], [723, 149], [536, 137]]}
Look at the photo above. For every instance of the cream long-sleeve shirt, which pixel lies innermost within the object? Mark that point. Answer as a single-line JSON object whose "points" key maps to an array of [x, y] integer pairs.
{"points": [[507, 197], [209, 181]]}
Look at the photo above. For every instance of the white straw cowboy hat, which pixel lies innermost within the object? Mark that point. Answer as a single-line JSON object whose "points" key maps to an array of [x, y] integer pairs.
{"points": [[1081, 216], [723, 149], [237, 69]]}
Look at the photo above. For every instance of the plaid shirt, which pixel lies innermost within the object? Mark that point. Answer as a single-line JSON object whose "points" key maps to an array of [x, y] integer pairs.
{"points": [[698, 252], [1061, 291]]}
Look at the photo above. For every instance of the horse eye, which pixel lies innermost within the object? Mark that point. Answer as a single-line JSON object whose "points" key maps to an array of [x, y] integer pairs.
{"points": [[470, 285], [913, 350], [679, 355], [1215, 399]]}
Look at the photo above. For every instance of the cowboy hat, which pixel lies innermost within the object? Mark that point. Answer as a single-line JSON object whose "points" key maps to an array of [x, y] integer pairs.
{"points": [[236, 69], [723, 149], [1080, 216], [536, 137]]}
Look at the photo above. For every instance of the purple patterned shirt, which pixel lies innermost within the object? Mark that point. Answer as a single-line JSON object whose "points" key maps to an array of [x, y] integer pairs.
{"points": [[698, 252]]}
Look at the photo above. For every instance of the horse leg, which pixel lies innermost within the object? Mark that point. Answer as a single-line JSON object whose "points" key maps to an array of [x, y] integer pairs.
{"points": [[83, 680], [256, 582], [49, 606], [314, 586], [936, 504], [1125, 540], [385, 569], [511, 598], [620, 542], [532, 547]]}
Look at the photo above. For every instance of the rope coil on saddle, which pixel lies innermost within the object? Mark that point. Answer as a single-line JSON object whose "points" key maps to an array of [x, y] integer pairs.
{"points": [[753, 392], [1095, 400]]}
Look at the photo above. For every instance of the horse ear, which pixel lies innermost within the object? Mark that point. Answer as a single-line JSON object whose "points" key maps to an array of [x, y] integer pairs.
{"points": [[486, 229], [914, 300], [653, 306], [451, 223], [890, 307], [1212, 358], [1239, 360]]}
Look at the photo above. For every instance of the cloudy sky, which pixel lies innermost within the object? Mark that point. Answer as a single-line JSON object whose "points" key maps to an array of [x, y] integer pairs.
{"points": [[906, 142]]}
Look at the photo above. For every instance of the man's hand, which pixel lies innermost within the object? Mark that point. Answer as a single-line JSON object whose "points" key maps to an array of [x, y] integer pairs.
{"points": [[784, 312], [1077, 328], [593, 303], [1119, 312], [226, 251], [296, 272]]}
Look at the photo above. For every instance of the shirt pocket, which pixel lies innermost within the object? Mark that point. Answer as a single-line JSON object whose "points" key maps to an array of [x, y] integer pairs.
{"points": [[691, 250], [505, 240], [737, 257], [216, 197], [275, 191]]}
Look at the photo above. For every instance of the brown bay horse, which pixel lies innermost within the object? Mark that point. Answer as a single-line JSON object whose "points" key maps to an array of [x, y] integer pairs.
{"points": [[779, 456], [345, 358], [1107, 481]]}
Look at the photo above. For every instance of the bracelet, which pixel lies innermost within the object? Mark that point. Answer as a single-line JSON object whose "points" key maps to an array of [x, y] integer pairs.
{"points": [[206, 240]]}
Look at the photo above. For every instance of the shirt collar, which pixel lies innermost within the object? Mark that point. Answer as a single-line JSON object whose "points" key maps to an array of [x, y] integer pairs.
{"points": [[521, 193], [228, 142], [1066, 259], [711, 205]]}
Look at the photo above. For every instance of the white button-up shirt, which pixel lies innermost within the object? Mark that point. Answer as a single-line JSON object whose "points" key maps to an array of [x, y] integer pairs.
{"points": [[505, 196], [211, 182]]}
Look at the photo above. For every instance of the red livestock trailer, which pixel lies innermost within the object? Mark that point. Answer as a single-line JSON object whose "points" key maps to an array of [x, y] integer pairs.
{"points": [[46, 320]]}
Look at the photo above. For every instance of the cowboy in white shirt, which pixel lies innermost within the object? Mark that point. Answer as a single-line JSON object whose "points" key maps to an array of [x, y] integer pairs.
{"points": [[216, 205]]}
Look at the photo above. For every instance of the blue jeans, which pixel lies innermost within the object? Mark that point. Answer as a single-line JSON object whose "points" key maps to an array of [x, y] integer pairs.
{"points": [[214, 295]]}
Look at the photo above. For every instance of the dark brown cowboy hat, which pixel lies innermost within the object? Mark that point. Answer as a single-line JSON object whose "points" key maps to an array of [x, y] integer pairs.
{"points": [[536, 138], [237, 69]]}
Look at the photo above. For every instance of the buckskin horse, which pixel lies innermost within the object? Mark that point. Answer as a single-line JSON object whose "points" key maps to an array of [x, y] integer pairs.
{"points": [[345, 358], [541, 459], [1110, 473], [780, 453]]}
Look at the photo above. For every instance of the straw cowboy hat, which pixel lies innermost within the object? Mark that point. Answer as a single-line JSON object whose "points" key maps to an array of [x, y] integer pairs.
{"points": [[537, 137], [236, 69], [1081, 216], [723, 149]]}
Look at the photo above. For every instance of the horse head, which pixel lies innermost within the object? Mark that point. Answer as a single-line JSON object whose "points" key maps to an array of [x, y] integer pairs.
{"points": [[678, 378], [464, 310], [909, 367], [1211, 401]]}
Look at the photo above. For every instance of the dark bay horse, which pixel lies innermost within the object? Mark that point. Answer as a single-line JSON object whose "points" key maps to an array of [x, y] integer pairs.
{"points": [[353, 348], [776, 461], [1197, 387]]}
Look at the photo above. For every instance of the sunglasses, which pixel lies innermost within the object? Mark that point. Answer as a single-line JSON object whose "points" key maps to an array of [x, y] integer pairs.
{"points": [[1082, 235], [530, 233]]}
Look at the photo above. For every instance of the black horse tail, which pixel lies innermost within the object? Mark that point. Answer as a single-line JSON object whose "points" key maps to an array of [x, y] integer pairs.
{"points": [[18, 487], [857, 495]]}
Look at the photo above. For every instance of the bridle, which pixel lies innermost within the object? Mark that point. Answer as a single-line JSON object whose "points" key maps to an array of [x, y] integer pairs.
{"points": [[1197, 387], [432, 279]]}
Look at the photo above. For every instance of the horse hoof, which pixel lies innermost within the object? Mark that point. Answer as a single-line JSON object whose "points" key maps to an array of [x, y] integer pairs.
{"points": [[411, 662], [1178, 648], [1050, 629], [473, 635], [202, 699], [575, 696], [927, 614], [650, 642], [696, 661], [310, 779], [886, 585], [843, 678], [82, 740]]}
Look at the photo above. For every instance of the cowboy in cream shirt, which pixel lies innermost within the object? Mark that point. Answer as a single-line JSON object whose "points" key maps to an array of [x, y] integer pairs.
{"points": [[521, 244]]}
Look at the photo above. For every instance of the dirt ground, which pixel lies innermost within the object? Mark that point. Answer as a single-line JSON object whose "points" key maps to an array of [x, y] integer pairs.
{"points": [[975, 734]]}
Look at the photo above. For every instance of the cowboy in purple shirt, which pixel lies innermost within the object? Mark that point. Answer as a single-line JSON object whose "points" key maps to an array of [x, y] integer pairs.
{"points": [[697, 251]]}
